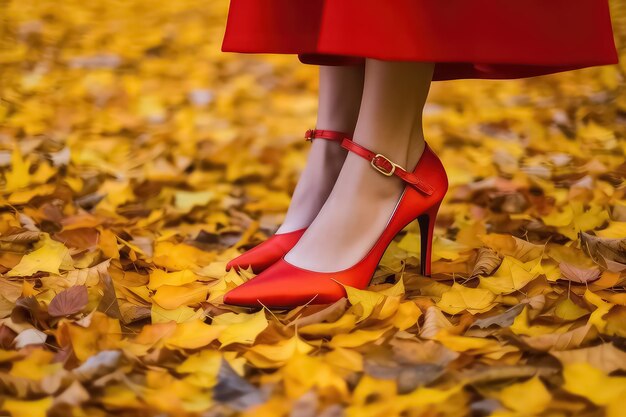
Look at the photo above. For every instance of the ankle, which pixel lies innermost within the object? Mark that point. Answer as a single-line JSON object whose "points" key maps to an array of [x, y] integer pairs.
{"points": [[402, 150], [415, 152], [327, 154]]}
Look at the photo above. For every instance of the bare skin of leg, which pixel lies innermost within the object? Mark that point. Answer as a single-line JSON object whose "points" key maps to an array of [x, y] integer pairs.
{"points": [[340, 91], [363, 200]]}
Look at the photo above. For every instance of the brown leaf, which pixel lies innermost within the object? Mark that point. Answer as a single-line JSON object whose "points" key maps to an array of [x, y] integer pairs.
{"points": [[407, 376], [68, 302], [23, 236], [132, 312], [501, 320], [605, 356], [573, 273], [434, 321], [74, 395], [487, 261], [330, 313], [610, 249], [108, 304], [561, 341], [505, 372], [430, 351]]}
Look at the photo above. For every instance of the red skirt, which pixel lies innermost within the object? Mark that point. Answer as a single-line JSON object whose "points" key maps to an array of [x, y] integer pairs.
{"points": [[495, 39]]}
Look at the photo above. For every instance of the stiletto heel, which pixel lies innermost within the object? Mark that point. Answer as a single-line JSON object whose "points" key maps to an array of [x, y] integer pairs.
{"points": [[266, 253], [427, 226], [284, 285]]}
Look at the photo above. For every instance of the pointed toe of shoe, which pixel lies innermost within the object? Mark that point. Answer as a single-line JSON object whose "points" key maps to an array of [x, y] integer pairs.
{"points": [[284, 286], [237, 263], [241, 296], [262, 256]]}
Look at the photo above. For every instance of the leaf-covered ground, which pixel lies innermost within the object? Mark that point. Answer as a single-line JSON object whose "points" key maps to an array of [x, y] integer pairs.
{"points": [[136, 159]]}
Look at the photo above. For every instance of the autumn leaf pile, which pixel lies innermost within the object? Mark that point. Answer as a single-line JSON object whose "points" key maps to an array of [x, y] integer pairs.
{"points": [[136, 159]]}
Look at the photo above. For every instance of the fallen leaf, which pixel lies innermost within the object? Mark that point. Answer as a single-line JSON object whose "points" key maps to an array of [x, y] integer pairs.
{"points": [[501, 320], [605, 357], [68, 302], [472, 300], [530, 396], [572, 273], [30, 337], [586, 381]]}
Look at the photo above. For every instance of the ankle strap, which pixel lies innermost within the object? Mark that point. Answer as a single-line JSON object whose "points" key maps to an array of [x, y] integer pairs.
{"points": [[325, 134], [386, 167]]}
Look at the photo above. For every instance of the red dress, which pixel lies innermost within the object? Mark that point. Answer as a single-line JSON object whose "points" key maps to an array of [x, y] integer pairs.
{"points": [[494, 39]]}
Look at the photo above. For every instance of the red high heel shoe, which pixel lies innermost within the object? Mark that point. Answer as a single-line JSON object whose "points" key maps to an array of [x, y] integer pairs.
{"points": [[284, 285], [266, 253]]}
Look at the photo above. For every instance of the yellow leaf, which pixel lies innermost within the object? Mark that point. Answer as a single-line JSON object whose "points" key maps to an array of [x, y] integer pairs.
{"points": [[240, 328], [521, 325], [511, 275], [49, 257], [460, 298], [591, 219], [170, 297], [344, 324], [348, 359], [559, 218], [118, 395], [396, 290], [179, 315], [270, 356], [223, 285], [177, 257], [597, 317], [159, 277], [368, 387], [410, 242], [102, 333], [616, 230], [530, 396], [107, 242], [574, 218], [363, 301], [36, 408], [591, 383], [568, 310], [442, 247], [303, 372], [23, 196], [204, 367], [423, 396], [193, 335], [37, 365], [447, 248], [357, 337], [387, 308], [18, 177], [464, 343], [407, 315], [186, 200], [550, 269], [152, 334]]}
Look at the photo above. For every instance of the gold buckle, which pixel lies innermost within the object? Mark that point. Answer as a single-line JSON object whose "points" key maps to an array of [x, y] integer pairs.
{"points": [[380, 169], [309, 134]]}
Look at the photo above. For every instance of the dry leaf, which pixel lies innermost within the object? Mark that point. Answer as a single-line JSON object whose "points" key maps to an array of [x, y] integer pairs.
{"points": [[68, 302]]}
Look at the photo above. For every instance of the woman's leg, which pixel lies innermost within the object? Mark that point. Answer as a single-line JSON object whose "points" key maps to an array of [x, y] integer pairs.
{"points": [[340, 91], [363, 199]]}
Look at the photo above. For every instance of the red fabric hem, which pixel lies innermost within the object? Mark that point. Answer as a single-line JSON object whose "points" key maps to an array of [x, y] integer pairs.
{"points": [[494, 39]]}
